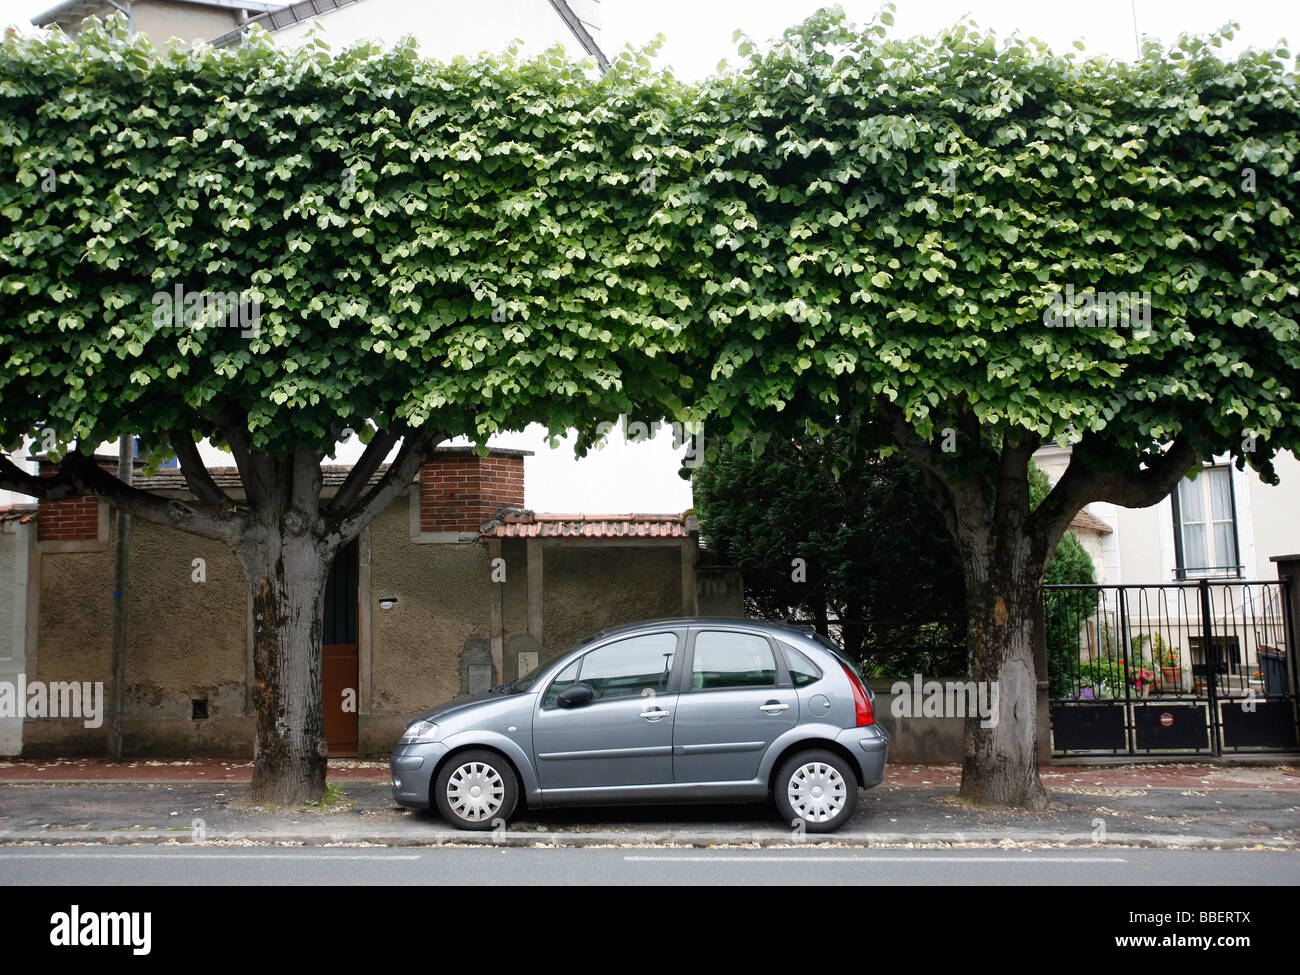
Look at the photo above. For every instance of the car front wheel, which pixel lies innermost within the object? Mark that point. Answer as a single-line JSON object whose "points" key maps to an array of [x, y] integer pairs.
{"points": [[476, 790], [818, 789]]}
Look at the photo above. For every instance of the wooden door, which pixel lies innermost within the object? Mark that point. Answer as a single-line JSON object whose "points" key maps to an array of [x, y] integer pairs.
{"points": [[341, 692]]}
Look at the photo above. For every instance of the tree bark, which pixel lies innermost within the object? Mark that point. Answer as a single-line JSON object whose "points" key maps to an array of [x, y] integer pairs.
{"points": [[286, 573], [1002, 577]]}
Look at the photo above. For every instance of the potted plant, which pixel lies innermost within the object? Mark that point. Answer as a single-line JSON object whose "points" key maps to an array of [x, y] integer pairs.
{"points": [[1169, 660]]}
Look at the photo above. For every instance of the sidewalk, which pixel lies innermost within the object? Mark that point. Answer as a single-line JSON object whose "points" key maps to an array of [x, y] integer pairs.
{"points": [[1178, 806]]}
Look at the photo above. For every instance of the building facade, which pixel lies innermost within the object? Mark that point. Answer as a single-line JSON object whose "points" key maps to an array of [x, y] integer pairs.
{"points": [[453, 589]]}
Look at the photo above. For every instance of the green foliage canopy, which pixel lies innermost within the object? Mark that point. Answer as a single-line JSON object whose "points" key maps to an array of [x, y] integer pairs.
{"points": [[888, 220], [462, 246]]}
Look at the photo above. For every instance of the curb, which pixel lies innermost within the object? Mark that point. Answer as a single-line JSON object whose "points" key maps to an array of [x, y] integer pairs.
{"points": [[559, 840]]}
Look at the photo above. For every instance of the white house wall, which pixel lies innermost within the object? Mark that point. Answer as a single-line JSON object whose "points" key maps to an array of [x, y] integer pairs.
{"points": [[1275, 515], [445, 29], [1141, 548]]}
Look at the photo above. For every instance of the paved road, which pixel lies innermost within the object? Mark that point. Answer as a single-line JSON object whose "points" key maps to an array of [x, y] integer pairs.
{"points": [[89, 866]]}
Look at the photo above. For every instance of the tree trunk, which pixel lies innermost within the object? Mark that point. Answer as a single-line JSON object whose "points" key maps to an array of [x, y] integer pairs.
{"points": [[1002, 585], [286, 572]]}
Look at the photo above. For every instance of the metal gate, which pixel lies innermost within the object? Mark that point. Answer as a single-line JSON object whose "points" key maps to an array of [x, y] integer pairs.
{"points": [[1188, 668]]}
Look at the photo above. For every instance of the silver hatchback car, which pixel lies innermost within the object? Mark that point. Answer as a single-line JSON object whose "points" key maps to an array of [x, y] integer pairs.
{"points": [[676, 710]]}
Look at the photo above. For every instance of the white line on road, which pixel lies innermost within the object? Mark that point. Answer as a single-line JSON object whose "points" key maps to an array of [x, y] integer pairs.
{"points": [[251, 854], [813, 858]]}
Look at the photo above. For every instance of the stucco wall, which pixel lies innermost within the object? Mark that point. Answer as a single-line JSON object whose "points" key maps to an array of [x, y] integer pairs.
{"points": [[187, 640], [443, 607], [588, 588]]}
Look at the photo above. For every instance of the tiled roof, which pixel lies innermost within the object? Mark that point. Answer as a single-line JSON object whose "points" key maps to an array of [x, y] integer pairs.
{"points": [[22, 513], [332, 475], [530, 525], [1086, 521]]}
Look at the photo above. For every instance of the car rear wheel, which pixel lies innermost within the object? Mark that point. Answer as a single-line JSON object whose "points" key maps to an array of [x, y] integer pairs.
{"points": [[476, 790], [817, 788]]}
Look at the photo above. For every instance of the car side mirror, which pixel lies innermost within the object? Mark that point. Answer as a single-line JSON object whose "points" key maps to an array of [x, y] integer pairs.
{"points": [[575, 695]]}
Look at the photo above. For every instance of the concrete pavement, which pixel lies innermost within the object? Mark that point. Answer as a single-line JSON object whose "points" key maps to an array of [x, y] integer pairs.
{"points": [[1155, 806]]}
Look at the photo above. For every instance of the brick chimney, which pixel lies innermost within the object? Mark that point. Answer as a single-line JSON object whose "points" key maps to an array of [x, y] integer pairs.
{"points": [[73, 519], [460, 491]]}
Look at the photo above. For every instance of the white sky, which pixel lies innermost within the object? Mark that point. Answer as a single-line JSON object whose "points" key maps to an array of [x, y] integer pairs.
{"points": [[643, 477]]}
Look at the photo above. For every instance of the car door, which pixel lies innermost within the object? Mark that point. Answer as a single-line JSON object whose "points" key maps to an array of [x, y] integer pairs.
{"points": [[736, 699], [624, 736]]}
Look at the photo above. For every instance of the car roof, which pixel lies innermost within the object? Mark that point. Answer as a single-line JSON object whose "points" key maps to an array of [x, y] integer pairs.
{"points": [[673, 622]]}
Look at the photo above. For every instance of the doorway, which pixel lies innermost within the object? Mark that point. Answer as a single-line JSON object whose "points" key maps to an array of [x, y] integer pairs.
{"points": [[340, 674]]}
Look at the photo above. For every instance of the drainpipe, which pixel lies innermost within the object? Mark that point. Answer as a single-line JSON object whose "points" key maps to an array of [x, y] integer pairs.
{"points": [[117, 650]]}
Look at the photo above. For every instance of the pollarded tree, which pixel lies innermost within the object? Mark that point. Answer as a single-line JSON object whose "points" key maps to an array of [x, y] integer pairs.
{"points": [[267, 247], [918, 230]]}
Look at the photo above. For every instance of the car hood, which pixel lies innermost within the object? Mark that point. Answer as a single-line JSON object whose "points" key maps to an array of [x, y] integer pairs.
{"points": [[465, 701]]}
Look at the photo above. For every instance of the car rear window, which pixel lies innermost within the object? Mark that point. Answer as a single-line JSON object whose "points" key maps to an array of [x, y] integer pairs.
{"points": [[840, 656], [802, 670]]}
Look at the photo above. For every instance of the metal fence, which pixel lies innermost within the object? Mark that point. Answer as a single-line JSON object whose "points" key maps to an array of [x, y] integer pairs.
{"points": [[1194, 667]]}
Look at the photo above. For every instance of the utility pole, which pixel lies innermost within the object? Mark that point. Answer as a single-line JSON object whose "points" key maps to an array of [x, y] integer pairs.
{"points": [[121, 560]]}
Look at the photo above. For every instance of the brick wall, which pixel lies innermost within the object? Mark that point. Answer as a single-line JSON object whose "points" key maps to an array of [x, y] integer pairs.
{"points": [[459, 492], [71, 520]]}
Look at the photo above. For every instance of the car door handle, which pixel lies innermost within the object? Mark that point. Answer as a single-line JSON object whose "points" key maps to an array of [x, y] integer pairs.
{"points": [[654, 714], [774, 707]]}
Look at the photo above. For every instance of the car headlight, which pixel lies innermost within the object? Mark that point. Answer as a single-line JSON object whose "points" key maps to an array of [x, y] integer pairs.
{"points": [[419, 732]]}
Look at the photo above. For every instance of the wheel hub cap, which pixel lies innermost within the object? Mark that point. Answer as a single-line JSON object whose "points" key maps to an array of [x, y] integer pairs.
{"points": [[817, 792], [475, 791]]}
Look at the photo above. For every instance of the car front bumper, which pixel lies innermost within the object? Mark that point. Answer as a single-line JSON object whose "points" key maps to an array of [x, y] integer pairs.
{"points": [[412, 768]]}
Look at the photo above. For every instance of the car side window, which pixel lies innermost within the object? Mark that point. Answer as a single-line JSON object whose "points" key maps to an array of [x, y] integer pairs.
{"points": [[725, 659], [628, 668], [802, 670], [567, 678]]}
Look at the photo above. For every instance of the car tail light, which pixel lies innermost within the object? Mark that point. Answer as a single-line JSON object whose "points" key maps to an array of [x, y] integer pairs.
{"points": [[861, 701]]}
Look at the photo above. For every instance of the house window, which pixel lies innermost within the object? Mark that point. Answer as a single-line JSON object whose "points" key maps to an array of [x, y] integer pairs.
{"points": [[1205, 525]]}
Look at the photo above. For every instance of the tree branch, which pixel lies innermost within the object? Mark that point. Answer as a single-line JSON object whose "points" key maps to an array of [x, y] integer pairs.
{"points": [[261, 491], [1082, 483], [307, 481], [1012, 497], [197, 476], [965, 496], [415, 453], [364, 469], [78, 475]]}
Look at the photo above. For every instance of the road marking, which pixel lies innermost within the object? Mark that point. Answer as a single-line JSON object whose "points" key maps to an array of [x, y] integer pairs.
{"points": [[813, 858], [206, 856]]}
